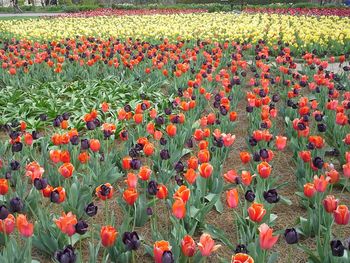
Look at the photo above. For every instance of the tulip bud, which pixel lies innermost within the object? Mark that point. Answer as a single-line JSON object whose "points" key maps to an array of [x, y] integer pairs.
{"points": [[337, 248], [291, 236], [16, 205], [91, 209], [81, 227]]}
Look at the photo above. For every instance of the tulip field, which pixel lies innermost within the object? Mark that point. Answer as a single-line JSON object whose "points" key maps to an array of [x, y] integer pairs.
{"points": [[173, 136]]}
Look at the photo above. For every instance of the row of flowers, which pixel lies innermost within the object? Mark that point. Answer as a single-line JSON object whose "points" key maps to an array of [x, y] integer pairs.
{"points": [[325, 33], [343, 12], [128, 12]]}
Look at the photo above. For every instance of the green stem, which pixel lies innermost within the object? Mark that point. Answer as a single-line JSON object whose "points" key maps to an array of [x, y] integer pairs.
{"points": [[134, 224]]}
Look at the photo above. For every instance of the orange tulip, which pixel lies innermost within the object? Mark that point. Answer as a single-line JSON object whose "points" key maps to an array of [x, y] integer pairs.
{"points": [[281, 142], [108, 235], [341, 215], [207, 245], [130, 196], [55, 156], [204, 156], [188, 246], [232, 198], [83, 157], [242, 258], [162, 191], [321, 183], [190, 176], [265, 237], [183, 192], [192, 163], [171, 130], [148, 149], [4, 187], [66, 223], [66, 170], [95, 145], [264, 170], [126, 163], [246, 178], [65, 156], [131, 180], [159, 248], [24, 227], [145, 173], [179, 208], [105, 191], [309, 190], [245, 157], [205, 170], [256, 212]]}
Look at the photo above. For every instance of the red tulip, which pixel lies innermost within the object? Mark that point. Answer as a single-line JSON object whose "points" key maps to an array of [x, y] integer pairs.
{"points": [[330, 203], [205, 170], [232, 199], [4, 187], [162, 191], [95, 145], [346, 170], [265, 237], [7, 225], [281, 142], [171, 130], [321, 183], [108, 236], [341, 215], [183, 192], [207, 245], [66, 170], [242, 258], [264, 170], [159, 248], [190, 176], [66, 223], [245, 157], [130, 196], [25, 228], [309, 190], [179, 208], [188, 246]]}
